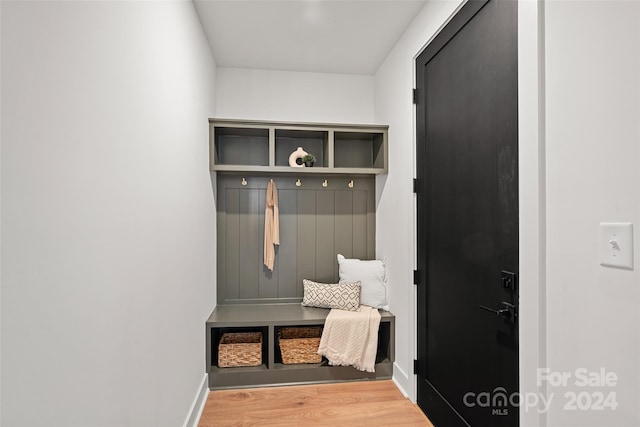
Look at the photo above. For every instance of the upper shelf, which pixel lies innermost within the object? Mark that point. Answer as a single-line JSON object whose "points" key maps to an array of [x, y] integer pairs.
{"points": [[255, 146]]}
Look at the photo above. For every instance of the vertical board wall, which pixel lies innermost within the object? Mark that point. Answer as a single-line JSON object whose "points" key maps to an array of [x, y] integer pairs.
{"points": [[316, 224]]}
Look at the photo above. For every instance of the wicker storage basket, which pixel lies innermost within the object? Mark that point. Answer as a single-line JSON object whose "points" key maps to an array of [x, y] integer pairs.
{"points": [[240, 349], [300, 345]]}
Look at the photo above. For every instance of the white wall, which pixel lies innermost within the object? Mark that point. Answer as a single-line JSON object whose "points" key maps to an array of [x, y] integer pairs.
{"points": [[593, 176], [293, 96], [108, 237], [394, 82]]}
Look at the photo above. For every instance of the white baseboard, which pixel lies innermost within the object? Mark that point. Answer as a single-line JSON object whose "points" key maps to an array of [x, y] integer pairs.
{"points": [[404, 382], [195, 412]]}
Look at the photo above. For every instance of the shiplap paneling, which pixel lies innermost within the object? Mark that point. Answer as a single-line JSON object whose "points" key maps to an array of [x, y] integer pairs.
{"points": [[306, 239], [316, 223], [287, 251], [231, 244]]}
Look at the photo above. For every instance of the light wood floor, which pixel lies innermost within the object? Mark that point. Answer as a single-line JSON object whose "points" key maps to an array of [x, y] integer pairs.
{"points": [[369, 403]]}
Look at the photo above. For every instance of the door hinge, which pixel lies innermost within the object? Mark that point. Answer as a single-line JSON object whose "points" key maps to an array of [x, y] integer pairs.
{"points": [[415, 185], [416, 277], [415, 96], [416, 366]]}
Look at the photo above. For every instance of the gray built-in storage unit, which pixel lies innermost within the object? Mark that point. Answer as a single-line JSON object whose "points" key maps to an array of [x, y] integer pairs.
{"points": [[252, 146], [324, 210]]}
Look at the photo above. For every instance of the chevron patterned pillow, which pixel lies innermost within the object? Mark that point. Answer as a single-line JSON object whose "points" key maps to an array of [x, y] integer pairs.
{"points": [[343, 296]]}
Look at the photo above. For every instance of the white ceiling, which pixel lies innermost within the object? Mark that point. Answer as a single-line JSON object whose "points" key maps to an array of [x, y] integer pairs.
{"points": [[329, 36]]}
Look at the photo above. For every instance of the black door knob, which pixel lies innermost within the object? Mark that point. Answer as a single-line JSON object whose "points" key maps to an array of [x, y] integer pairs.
{"points": [[508, 310]]}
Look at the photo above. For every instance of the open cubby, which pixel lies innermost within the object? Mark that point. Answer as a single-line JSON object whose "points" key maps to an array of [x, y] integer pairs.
{"points": [[269, 318], [254, 146], [359, 150], [241, 146], [384, 343], [216, 335], [278, 350], [312, 141]]}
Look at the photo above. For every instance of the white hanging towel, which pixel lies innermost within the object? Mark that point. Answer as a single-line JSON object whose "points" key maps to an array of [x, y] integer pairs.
{"points": [[271, 225]]}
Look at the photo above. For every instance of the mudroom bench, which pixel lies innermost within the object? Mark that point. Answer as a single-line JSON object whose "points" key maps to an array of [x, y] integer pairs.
{"points": [[268, 319]]}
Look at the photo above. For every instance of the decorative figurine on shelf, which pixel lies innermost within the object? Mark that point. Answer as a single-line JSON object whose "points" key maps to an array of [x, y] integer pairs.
{"points": [[295, 159], [309, 160]]}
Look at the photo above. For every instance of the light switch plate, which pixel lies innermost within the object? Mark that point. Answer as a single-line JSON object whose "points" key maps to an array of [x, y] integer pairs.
{"points": [[616, 244]]}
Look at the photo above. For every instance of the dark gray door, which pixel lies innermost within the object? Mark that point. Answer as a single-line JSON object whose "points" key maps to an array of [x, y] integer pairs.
{"points": [[467, 148]]}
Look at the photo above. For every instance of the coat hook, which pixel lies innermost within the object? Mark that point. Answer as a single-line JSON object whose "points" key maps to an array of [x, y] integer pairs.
{"points": [[244, 181], [298, 183], [325, 183]]}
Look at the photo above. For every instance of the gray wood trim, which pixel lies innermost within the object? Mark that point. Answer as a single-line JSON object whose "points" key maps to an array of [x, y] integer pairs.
{"points": [[331, 149], [231, 282], [250, 259], [360, 232], [294, 125], [281, 375], [272, 147], [306, 241], [325, 237], [283, 170], [273, 314], [212, 149], [386, 152]]}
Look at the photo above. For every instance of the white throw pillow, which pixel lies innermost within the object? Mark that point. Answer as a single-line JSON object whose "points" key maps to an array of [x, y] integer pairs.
{"points": [[372, 277]]}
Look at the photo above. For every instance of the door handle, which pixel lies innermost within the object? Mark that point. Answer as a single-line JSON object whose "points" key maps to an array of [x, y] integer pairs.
{"points": [[508, 310]]}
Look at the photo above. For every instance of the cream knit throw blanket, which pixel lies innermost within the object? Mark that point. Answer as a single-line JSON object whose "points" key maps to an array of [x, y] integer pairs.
{"points": [[271, 225], [350, 338]]}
